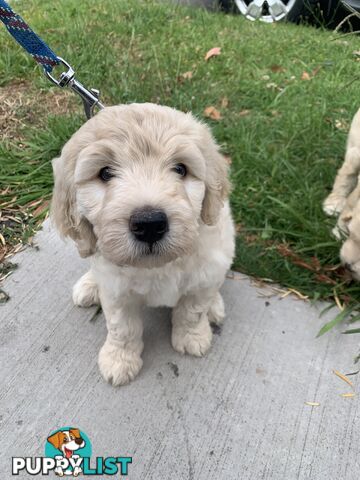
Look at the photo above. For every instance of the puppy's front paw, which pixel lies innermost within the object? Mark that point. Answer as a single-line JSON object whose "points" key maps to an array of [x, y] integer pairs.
{"points": [[117, 365], [85, 291], [195, 340], [217, 310], [333, 205]]}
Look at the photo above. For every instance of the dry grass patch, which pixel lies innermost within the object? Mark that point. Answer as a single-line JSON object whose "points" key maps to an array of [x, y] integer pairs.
{"points": [[22, 104]]}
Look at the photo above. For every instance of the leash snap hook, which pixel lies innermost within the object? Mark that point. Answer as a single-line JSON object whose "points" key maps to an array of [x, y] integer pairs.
{"points": [[90, 97]]}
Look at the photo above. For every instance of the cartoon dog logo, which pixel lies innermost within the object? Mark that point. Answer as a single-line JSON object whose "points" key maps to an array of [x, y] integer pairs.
{"points": [[68, 442]]}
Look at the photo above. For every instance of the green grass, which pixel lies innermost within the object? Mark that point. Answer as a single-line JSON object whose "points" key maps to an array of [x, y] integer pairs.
{"points": [[285, 151]]}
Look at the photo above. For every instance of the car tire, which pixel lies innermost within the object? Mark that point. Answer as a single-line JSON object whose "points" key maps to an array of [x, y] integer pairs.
{"points": [[300, 10]]}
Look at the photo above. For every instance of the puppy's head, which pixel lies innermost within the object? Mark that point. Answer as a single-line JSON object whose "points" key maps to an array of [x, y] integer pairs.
{"points": [[67, 441], [135, 183]]}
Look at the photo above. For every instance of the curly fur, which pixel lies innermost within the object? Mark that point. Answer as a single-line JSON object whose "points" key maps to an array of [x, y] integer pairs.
{"points": [[141, 144], [344, 201]]}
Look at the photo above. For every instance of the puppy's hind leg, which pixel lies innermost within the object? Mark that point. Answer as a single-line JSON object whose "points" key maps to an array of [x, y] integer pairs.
{"points": [[85, 291], [345, 182], [191, 332]]}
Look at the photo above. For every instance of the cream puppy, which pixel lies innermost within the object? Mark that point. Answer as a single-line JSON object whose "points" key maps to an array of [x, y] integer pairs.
{"points": [[344, 200], [143, 191]]}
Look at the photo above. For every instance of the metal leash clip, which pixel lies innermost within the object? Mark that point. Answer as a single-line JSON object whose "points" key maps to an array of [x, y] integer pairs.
{"points": [[90, 97]]}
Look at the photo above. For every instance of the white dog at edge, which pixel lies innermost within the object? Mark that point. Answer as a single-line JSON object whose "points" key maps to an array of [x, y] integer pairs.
{"points": [[143, 191], [344, 201]]}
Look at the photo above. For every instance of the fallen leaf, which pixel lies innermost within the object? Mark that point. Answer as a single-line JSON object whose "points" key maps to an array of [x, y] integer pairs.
{"points": [[243, 113], [341, 125], [347, 395], [277, 68], [312, 404], [305, 76], [224, 102], [187, 75], [213, 52], [211, 112], [356, 53], [345, 379], [184, 76]]}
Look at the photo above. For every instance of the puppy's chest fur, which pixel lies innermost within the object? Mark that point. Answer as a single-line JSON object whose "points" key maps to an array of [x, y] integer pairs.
{"points": [[164, 286], [161, 286], [158, 287]]}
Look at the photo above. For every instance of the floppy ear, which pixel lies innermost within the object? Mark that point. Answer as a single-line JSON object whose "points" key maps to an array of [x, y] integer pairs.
{"points": [[75, 432], [55, 439], [63, 205], [217, 184]]}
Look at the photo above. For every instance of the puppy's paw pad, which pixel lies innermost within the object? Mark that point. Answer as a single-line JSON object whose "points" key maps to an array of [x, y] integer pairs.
{"points": [[118, 366], [334, 205], [192, 341], [85, 292], [217, 310]]}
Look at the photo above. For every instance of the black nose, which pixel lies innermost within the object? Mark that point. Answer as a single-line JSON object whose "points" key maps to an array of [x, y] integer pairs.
{"points": [[148, 225], [78, 441]]}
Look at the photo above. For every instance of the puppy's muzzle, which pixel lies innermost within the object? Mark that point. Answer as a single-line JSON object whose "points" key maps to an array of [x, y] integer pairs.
{"points": [[148, 225]]}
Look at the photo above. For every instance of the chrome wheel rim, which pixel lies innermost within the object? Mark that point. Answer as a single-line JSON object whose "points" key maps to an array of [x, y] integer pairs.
{"points": [[265, 10]]}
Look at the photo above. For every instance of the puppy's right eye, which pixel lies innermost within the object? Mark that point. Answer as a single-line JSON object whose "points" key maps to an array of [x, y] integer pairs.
{"points": [[105, 174]]}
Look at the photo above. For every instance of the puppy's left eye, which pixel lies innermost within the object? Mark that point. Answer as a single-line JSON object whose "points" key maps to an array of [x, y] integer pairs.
{"points": [[180, 169], [105, 174]]}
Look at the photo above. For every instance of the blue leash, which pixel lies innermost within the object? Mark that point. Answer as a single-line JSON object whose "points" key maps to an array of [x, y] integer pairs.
{"points": [[30, 42], [44, 56]]}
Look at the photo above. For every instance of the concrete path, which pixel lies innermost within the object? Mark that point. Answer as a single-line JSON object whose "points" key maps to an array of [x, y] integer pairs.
{"points": [[239, 413]]}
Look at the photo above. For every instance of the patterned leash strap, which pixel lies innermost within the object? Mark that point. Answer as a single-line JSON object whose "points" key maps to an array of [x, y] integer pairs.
{"points": [[43, 55], [30, 42]]}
